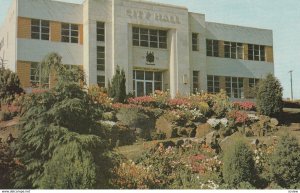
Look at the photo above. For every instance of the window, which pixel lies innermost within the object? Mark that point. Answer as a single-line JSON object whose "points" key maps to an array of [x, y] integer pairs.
{"points": [[40, 29], [212, 48], [101, 81], [234, 87], [69, 33], [195, 40], [256, 52], [36, 75], [233, 50], [149, 38], [146, 82], [253, 82], [213, 84], [100, 58], [195, 81], [100, 31]]}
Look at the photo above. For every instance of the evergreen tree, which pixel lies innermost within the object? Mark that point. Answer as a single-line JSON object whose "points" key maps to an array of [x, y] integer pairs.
{"points": [[117, 87], [61, 145], [239, 166], [9, 85], [285, 163], [269, 96]]}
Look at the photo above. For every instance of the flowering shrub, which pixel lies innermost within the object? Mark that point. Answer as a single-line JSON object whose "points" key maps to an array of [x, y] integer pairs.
{"points": [[144, 100], [216, 123], [246, 105], [221, 104], [239, 117], [188, 166], [99, 96]]}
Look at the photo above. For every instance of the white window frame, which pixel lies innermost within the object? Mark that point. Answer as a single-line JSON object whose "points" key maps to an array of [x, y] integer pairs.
{"points": [[215, 89], [159, 44], [40, 33], [195, 42], [261, 56], [70, 30]]}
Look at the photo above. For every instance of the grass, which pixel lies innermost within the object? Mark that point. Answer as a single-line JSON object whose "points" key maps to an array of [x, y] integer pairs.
{"points": [[133, 152]]}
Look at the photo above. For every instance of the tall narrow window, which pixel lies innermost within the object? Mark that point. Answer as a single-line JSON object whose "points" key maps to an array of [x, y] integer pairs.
{"points": [[69, 33], [213, 84], [100, 31], [100, 58], [40, 29], [212, 48], [195, 81], [101, 81], [195, 40], [149, 38]]}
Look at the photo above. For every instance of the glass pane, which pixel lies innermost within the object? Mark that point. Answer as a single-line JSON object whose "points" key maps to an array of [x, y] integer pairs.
{"points": [[140, 75], [140, 89], [101, 67], [158, 76], [149, 88], [74, 33], [158, 86], [65, 26], [100, 38], [153, 44], [65, 39], [74, 40], [45, 30], [45, 23], [148, 75], [65, 32], [74, 27], [35, 29], [45, 37], [35, 35]]}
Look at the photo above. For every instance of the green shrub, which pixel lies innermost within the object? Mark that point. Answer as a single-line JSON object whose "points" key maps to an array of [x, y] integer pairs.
{"points": [[285, 162], [5, 116], [9, 85], [117, 88], [138, 120], [122, 135], [221, 104], [269, 96], [204, 108], [238, 165]]}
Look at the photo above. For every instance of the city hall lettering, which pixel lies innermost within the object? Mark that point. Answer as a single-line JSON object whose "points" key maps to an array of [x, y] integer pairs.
{"points": [[145, 15]]}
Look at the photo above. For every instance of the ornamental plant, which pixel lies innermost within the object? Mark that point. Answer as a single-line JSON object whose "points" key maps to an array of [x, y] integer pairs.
{"points": [[117, 87], [9, 85], [269, 96], [245, 105], [285, 163], [239, 166]]}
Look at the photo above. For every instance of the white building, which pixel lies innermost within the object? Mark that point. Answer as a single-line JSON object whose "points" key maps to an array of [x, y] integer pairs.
{"points": [[160, 47]]}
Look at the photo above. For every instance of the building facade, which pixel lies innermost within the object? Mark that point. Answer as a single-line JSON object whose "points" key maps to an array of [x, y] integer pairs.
{"points": [[160, 47]]}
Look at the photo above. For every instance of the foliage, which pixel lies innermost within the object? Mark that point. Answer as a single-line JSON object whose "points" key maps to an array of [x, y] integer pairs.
{"points": [[221, 104], [269, 96], [9, 85], [59, 128], [238, 165], [285, 163], [7, 165], [239, 117], [122, 135], [99, 95], [117, 88]]}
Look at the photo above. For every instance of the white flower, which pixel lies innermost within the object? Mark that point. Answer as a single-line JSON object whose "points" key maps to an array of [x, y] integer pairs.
{"points": [[213, 122], [224, 122]]}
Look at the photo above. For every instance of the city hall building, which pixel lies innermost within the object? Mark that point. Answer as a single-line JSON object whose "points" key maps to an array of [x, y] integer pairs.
{"points": [[159, 46]]}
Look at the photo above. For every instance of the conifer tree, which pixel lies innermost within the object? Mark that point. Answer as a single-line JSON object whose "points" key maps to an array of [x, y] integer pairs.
{"points": [[117, 87]]}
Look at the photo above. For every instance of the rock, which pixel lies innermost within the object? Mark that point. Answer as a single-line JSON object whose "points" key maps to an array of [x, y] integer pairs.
{"points": [[212, 138], [165, 126], [274, 122], [255, 142], [202, 130]]}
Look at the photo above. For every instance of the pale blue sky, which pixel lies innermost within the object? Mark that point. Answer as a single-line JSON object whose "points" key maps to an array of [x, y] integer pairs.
{"points": [[282, 16]]}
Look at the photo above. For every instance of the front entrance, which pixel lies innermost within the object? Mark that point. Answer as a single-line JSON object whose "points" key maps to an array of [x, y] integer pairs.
{"points": [[146, 82]]}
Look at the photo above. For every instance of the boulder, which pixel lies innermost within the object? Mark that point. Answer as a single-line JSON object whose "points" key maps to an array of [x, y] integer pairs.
{"points": [[202, 130], [274, 122], [164, 126]]}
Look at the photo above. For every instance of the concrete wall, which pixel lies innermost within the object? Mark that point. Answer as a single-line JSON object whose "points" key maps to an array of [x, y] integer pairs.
{"points": [[198, 58]]}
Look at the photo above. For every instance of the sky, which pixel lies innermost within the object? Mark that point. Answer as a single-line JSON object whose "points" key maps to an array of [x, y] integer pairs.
{"points": [[281, 16]]}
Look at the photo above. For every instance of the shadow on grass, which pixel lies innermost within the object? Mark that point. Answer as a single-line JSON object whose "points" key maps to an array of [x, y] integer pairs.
{"points": [[289, 116]]}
